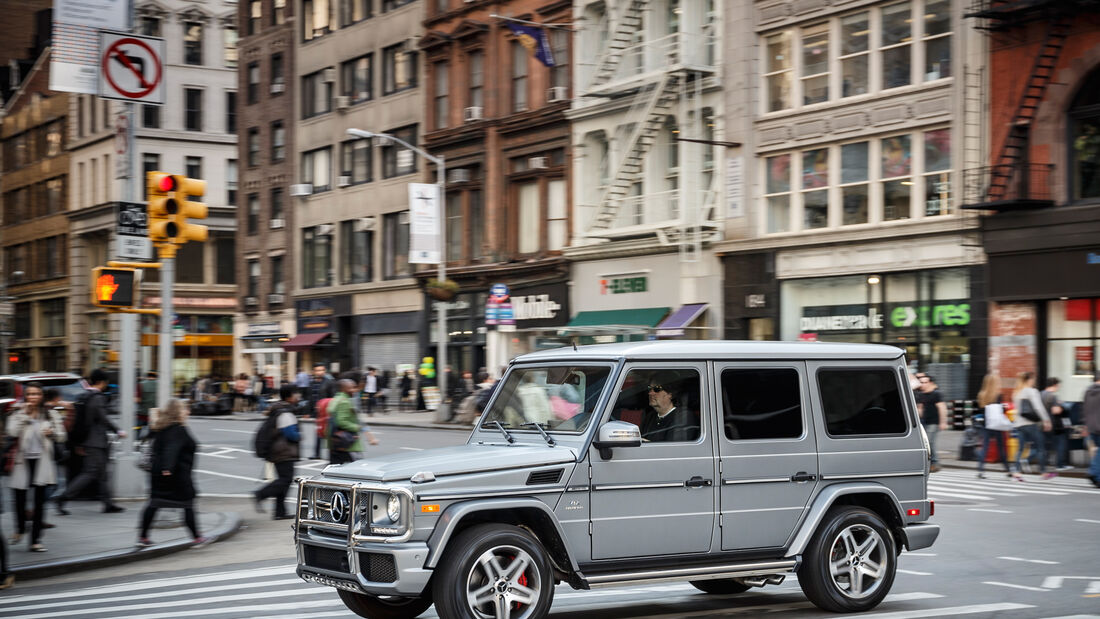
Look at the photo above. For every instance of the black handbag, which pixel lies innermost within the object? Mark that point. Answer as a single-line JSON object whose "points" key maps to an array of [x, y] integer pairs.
{"points": [[1027, 411], [60, 453]]}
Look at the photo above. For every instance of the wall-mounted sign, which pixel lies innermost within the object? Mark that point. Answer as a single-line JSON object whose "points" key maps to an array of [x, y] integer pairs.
{"points": [[624, 285], [1083, 364], [839, 318], [1093, 258], [264, 328], [943, 314], [498, 307], [755, 301]]}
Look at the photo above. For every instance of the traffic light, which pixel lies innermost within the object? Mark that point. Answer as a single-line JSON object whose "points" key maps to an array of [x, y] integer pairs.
{"points": [[114, 287], [170, 207], [187, 188]]}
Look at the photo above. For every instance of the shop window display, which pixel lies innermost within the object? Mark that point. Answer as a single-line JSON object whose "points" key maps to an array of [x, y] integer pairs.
{"points": [[1073, 339]]}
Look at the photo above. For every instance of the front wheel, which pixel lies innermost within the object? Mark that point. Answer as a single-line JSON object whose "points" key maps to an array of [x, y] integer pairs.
{"points": [[850, 563], [720, 586], [494, 571], [378, 607]]}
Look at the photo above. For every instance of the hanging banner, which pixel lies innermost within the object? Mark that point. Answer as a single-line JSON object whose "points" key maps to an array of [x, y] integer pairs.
{"points": [[74, 63], [424, 222]]}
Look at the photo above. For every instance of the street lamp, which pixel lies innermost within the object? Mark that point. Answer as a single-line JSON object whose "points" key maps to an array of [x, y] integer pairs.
{"points": [[441, 275]]}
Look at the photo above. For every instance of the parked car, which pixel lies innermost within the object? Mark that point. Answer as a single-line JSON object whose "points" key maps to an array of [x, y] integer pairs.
{"points": [[11, 386], [725, 464]]}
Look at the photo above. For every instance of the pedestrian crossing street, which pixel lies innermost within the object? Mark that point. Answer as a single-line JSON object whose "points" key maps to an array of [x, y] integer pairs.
{"points": [[274, 592], [959, 485]]}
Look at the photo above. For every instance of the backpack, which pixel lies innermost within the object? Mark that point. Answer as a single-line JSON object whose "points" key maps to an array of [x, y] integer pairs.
{"points": [[265, 436], [79, 431]]}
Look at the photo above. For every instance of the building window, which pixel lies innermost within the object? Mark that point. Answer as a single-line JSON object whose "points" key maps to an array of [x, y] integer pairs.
{"points": [[519, 77], [1084, 139], [815, 64], [253, 82], [192, 109], [352, 11], [278, 285], [398, 69], [528, 218], [778, 71], [231, 112], [193, 166], [278, 141], [896, 47], [316, 258], [395, 249], [149, 26], [316, 18], [253, 224], [897, 184], [455, 234], [225, 248], [358, 245], [557, 215], [278, 13], [389, 5], [255, 15], [778, 198], [277, 203], [253, 147], [191, 263], [192, 43], [316, 94], [477, 224], [937, 39], [355, 161], [150, 116], [396, 159], [854, 199], [815, 193], [855, 32], [476, 63], [253, 278], [442, 6], [23, 320], [317, 168], [231, 182], [356, 77], [440, 91], [559, 44], [150, 162], [53, 258], [53, 318], [937, 168], [230, 39], [277, 70]]}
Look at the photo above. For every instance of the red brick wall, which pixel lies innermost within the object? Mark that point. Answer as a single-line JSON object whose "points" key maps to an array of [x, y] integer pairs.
{"points": [[1013, 341]]}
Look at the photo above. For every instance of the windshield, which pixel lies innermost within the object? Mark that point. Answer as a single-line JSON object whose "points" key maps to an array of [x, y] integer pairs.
{"points": [[559, 398]]}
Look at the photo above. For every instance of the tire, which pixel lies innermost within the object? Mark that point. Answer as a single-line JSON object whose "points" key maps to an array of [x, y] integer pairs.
{"points": [[375, 607], [850, 563], [478, 575], [720, 586]]}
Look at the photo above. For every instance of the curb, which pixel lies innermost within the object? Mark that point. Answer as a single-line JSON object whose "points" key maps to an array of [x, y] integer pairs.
{"points": [[109, 558]]}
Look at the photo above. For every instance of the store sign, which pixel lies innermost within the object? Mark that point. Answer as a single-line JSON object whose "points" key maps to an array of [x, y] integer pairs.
{"points": [[1083, 363], [1093, 258], [755, 301], [624, 285], [939, 315], [498, 307], [840, 320], [264, 328], [535, 307]]}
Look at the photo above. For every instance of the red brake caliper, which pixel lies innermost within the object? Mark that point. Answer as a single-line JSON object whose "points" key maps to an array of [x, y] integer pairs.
{"points": [[523, 581]]}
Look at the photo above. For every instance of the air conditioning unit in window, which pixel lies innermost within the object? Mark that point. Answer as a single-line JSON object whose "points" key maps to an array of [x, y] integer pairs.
{"points": [[251, 301], [458, 175], [275, 299], [471, 114], [277, 88], [557, 93], [365, 224], [329, 75], [304, 189], [343, 181], [538, 163], [278, 223], [325, 229], [342, 102]]}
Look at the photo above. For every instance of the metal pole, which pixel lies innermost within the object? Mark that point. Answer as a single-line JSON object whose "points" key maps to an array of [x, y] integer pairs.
{"points": [[128, 325], [164, 341], [443, 412]]}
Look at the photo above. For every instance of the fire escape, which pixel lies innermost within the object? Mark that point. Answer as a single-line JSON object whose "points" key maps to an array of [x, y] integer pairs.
{"points": [[1012, 180], [659, 78]]}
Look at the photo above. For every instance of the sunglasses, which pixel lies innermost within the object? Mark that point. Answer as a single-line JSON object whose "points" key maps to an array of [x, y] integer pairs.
{"points": [[655, 388]]}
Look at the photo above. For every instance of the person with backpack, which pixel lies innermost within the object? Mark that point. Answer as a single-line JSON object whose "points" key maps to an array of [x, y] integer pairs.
{"points": [[91, 427], [344, 444], [277, 442]]}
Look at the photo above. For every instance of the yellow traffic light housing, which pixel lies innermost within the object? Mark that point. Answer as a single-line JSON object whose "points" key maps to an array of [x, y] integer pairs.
{"points": [[114, 287], [187, 188], [170, 206], [162, 207]]}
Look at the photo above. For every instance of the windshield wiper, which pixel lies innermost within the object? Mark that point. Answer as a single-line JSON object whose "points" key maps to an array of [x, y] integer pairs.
{"points": [[550, 441], [507, 435]]}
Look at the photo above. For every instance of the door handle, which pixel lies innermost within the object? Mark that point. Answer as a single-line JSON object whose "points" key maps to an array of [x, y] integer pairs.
{"points": [[803, 476], [698, 482]]}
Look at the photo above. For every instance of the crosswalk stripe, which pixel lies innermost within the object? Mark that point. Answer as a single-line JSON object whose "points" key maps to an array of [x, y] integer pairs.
{"points": [[1008, 486], [125, 610], [955, 495], [1059, 483], [288, 582], [965, 488], [1010, 491], [948, 612]]}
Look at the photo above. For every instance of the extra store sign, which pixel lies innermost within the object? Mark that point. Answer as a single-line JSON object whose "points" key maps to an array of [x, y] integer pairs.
{"points": [[834, 318]]}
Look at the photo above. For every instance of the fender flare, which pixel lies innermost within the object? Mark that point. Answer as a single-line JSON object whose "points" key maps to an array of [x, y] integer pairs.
{"points": [[451, 517], [825, 500]]}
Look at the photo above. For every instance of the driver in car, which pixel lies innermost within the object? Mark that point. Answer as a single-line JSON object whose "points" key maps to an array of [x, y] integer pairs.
{"points": [[665, 420]]}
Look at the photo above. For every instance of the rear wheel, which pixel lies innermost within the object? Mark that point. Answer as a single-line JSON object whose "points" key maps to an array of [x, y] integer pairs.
{"points": [[720, 586], [384, 607], [850, 563]]}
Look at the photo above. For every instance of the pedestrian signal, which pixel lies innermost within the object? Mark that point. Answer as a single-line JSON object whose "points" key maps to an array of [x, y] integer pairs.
{"points": [[114, 287]]}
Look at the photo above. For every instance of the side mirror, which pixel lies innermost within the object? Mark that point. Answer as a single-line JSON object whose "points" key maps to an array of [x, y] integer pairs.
{"points": [[617, 434]]}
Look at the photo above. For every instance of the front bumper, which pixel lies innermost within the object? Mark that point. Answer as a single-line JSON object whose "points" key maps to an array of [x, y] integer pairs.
{"points": [[377, 569]]}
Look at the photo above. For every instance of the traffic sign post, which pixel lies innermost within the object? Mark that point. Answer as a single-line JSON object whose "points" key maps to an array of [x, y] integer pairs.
{"points": [[131, 67], [132, 228]]}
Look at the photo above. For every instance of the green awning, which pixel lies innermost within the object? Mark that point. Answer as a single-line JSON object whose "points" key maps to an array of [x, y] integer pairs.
{"points": [[641, 317]]}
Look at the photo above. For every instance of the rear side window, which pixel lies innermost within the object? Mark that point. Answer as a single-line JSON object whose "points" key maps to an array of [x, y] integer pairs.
{"points": [[861, 401], [763, 403]]}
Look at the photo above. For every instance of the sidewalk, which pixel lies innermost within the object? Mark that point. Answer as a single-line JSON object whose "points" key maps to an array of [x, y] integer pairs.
{"points": [[949, 442], [89, 539]]}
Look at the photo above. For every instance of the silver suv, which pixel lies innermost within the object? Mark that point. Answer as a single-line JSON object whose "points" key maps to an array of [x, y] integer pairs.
{"points": [[726, 464]]}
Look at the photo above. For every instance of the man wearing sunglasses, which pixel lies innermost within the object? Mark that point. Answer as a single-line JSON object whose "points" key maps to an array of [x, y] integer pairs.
{"points": [[665, 420]]}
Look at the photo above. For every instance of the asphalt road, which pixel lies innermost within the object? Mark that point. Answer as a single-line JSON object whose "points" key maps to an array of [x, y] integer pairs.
{"points": [[1007, 550]]}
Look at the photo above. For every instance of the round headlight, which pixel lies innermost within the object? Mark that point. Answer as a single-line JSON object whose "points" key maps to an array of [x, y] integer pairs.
{"points": [[393, 508]]}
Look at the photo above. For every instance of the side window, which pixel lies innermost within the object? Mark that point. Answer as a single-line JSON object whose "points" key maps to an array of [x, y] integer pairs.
{"points": [[762, 403], [861, 401], [665, 404]]}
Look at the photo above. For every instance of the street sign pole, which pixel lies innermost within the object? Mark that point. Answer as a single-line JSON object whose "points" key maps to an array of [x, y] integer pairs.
{"points": [[165, 343]]}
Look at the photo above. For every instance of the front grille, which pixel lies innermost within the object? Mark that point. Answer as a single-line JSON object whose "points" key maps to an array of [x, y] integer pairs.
{"points": [[552, 476], [327, 559], [378, 567], [323, 496]]}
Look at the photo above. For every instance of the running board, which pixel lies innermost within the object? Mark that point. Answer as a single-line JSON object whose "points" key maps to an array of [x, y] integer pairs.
{"points": [[709, 572]]}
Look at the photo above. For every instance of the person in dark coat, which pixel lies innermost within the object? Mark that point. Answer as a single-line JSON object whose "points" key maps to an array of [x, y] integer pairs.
{"points": [[93, 446], [170, 482], [284, 451]]}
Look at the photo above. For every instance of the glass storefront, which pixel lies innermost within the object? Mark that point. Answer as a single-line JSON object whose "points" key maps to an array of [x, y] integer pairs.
{"points": [[1072, 339], [926, 313]]}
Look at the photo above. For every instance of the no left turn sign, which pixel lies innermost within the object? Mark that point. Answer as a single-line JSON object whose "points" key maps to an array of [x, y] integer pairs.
{"points": [[131, 67]]}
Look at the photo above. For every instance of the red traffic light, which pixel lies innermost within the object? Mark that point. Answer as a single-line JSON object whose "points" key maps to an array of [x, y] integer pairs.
{"points": [[13, 358], [166, 183]]}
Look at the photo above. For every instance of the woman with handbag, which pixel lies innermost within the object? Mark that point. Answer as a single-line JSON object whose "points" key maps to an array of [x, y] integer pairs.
{"points": [[37, 430], [171, 483], [1032, 420], [996, 422]]}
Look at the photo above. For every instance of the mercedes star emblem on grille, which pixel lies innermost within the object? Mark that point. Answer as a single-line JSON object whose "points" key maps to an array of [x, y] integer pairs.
{"points": [[339, 508]]}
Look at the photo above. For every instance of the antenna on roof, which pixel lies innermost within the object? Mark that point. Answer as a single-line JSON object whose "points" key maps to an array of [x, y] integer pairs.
{"points": [[574, 344]]}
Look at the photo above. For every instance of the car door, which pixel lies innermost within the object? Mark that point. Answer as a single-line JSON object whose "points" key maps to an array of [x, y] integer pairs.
{"points": [[767, 451], [659, 498]]}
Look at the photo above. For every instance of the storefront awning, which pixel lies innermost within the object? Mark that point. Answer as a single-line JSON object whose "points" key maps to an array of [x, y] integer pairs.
{"points": [[674, 325], [305, 341], [626, 319]]}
